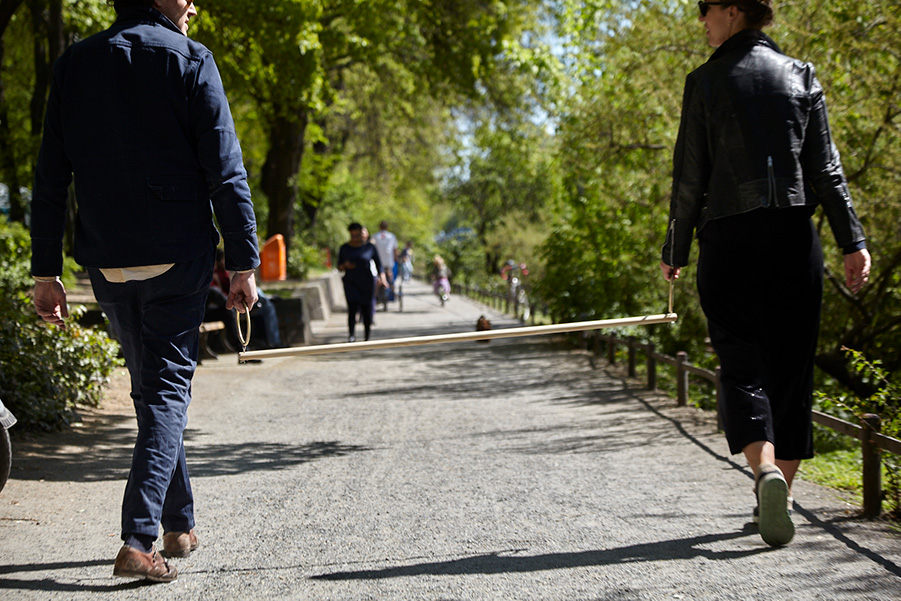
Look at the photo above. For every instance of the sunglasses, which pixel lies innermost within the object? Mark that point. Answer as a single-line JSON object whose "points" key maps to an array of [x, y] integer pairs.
{"points": [[705, 6]]}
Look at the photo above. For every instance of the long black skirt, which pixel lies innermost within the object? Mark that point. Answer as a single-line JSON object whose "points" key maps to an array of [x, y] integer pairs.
{"points": [[760, 279]]}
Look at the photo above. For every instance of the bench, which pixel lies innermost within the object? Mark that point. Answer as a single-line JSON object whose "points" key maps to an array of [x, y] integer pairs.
{"points": [[206, 328]]}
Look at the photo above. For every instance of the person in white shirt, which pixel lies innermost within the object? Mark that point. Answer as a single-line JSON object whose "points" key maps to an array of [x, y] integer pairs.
{"points": [[386, 244]]}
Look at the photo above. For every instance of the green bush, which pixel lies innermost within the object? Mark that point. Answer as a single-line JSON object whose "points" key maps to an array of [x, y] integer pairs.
{"points": [[885, 402], [45, 371], [301, 257]]}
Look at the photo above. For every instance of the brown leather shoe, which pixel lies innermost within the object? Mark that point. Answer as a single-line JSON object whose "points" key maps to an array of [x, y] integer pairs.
{"points": [[132, 563], [179, 544]]}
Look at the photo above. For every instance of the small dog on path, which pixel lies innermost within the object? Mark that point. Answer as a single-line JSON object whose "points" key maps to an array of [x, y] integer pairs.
{"points": [[482, 324]]}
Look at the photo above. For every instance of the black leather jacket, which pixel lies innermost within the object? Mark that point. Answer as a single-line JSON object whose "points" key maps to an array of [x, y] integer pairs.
{"points": [[754, 133]]}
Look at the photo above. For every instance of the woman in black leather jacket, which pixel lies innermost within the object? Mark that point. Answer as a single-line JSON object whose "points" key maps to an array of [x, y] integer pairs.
{"points": [[753, 159]]}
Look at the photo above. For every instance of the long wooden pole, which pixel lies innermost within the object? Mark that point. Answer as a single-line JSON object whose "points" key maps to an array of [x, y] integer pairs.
{"points": [[559, 328]]}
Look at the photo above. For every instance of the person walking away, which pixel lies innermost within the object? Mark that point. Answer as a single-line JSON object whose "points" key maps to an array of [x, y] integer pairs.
{"points": [[405, 258], [404, 269], [138, 115], [354, 260], [753, 158], [441, 279], [386, 243]]}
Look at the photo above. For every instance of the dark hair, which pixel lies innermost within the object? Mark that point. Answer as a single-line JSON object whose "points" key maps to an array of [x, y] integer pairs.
{"points": [[758, 13], [353, 227]]}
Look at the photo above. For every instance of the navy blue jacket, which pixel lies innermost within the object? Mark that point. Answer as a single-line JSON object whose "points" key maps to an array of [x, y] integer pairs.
{"points": [[138, 114]]}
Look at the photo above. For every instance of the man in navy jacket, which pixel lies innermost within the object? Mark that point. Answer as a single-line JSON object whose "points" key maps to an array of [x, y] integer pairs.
{"points": [[138, 115]]}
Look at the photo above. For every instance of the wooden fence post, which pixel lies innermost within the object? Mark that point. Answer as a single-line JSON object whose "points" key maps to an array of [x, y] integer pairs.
{"points": [[652, 367], [872, 467], [631, 346], [681, 379]]}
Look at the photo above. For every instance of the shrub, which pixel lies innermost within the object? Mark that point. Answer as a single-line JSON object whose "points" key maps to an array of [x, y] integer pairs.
{"points": [[45, 371], [302, 257], [884, 402]]}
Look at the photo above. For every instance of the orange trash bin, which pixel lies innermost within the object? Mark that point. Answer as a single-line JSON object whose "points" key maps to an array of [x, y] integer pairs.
{"points": [[273, 262]]}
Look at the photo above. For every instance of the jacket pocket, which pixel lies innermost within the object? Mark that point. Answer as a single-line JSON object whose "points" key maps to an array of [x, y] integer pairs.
{"points": [[176, 208]]}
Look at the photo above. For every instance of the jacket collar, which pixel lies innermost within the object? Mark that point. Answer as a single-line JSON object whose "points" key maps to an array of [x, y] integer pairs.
{"points": [[146, 14], [743, 41]]}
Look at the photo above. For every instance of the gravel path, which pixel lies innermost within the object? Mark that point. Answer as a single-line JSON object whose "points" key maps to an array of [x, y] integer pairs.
{"points": [[501, 470]]}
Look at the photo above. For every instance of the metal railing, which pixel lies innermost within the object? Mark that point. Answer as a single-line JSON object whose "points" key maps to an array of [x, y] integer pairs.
{"points": [[494, 299], [868, 432]]}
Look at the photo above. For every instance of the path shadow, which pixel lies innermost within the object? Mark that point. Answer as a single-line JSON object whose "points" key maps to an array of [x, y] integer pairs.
{"points": [[231, 459], [105, 455], [51, 585], [99, 451], [508, 562], [473, 370]]}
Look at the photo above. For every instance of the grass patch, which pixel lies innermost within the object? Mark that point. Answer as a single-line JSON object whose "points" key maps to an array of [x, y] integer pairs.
{"points": [[841, 469]]}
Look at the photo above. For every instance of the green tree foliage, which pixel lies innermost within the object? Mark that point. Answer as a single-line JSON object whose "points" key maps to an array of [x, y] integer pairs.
{"points": [[618, 118], [45, 372], [883, 401], [13, 153], [33, 33], [857, 53], [506, 179], [293, 57], [617, 121]]}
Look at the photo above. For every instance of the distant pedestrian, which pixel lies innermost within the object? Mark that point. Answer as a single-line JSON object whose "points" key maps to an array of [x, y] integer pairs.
{"points": [[753, 158], [356, 259], [405, 259], [440, 276], [386, 243]]}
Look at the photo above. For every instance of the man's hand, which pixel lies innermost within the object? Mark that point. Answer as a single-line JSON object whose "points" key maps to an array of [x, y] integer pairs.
{"points": [[50, 302], [242, 290], [857, 270]]}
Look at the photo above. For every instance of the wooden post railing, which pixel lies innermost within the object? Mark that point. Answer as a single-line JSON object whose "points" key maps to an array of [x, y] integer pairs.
{"points": [[873, 443], [872, 466]]}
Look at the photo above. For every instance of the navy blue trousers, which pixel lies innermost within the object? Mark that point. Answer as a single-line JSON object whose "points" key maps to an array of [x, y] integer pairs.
{"points": [[760, 279], [157, 322]]}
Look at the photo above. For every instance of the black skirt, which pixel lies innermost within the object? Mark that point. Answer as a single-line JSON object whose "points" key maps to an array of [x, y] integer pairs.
{"points": [[760, 279]]}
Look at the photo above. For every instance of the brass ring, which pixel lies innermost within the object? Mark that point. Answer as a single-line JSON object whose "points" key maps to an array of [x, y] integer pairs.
{"points": [[244, 341]]}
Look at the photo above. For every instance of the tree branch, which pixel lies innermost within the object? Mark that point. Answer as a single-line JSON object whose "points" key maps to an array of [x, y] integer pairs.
{"points": [[7, 9]]}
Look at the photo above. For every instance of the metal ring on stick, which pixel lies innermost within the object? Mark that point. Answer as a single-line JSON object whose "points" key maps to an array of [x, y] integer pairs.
{"points": [[244, 341]]}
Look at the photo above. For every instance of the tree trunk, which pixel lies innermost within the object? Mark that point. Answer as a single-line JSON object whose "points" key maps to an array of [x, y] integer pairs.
{"points": [[278, 178], [8, 171], [49, 43], [7, 8], [9, 174], [327, 153], [41, 65]]}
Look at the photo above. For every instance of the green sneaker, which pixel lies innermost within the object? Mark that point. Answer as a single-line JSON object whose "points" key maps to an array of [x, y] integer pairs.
{"points": [[775, 522]]}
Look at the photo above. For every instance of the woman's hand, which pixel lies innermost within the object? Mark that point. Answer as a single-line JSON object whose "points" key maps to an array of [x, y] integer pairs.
{"points": [[670, 272], [857, 270]]}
